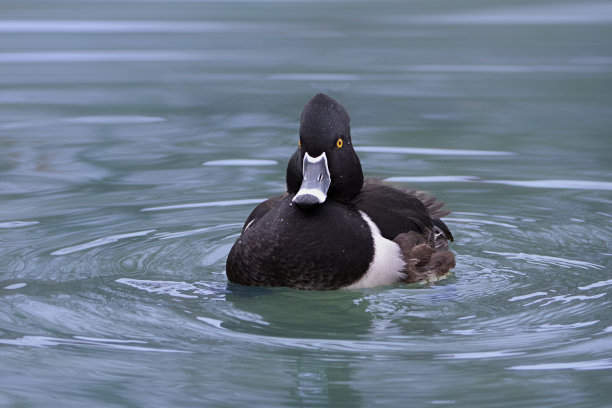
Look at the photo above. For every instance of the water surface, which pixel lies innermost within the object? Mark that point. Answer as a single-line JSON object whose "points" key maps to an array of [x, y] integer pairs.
{"points": [[136, 137]]}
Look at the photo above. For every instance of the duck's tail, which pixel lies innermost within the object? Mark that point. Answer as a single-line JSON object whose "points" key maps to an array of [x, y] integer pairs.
{"points": [[424, 261]]}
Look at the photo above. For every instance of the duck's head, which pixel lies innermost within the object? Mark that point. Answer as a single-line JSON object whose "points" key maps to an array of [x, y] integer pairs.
{"points": [[325, 165]]}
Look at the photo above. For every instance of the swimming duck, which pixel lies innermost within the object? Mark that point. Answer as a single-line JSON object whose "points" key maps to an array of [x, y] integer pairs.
{"points": [[332, 229]]}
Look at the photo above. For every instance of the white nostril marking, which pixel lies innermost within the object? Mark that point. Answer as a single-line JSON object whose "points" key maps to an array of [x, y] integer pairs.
{"points": [[320, 176]]}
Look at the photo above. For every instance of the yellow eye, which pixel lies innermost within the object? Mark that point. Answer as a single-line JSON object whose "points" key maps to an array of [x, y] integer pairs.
{"points": [[299, 144], [339, 143]]}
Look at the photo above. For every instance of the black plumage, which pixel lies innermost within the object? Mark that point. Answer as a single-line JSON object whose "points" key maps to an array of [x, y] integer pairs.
{"points": [[329, 244]]}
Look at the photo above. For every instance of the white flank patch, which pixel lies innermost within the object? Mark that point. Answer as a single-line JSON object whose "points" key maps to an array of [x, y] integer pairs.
{"points": [[387, 265]]}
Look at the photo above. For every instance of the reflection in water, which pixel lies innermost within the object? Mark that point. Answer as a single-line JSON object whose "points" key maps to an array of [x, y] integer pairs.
{"points": [[325, 383], [299, 314]]}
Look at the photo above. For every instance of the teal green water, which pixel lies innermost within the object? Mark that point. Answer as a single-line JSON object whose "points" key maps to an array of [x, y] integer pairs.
{"points": [[136, 137]]}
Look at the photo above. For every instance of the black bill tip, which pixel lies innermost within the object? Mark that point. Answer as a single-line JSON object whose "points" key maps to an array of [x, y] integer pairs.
{"points": [[305, 201]]}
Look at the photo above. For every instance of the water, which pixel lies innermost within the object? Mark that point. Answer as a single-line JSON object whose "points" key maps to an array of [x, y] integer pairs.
{"points": [[137, 136]]}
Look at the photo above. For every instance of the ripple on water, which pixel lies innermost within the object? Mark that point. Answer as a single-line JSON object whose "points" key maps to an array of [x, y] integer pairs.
{"points": [[16, 286], [596, 285], [471, 222], [197, 231], [193, 253], [488, 296], [240, 162], [431, 151], [551, 327], [114, 120], [603, 364], [563, 299], [153, 252], [544, 184], [481, 355], [100, 241], [79, 341], [527, 296], [17, 224], [176, 289], [224, 203], [537, 259], [431, 179], [563, 184]]}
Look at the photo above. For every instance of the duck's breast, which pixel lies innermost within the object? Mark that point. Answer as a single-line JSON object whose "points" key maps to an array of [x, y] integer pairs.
{"points": [[326, 247]]}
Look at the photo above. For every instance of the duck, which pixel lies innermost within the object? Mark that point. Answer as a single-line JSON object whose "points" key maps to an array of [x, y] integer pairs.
{"points": [[334, 229]]}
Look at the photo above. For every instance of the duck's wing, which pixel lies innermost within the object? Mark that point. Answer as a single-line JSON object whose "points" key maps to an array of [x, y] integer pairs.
{"points": [[394, 211], [411, 219], [262, 209], [436, 212]]}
